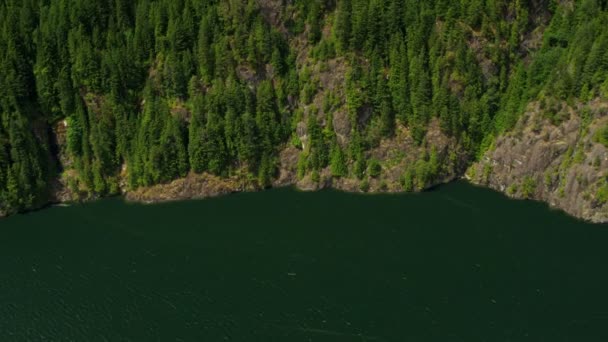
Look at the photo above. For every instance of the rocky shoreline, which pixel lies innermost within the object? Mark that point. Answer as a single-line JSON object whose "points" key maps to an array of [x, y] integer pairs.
{"points": [[195, 187], [204, 186], [560, 164]]}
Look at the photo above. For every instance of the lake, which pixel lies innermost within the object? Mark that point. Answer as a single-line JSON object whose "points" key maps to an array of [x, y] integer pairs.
{"points": [[458, 263]]}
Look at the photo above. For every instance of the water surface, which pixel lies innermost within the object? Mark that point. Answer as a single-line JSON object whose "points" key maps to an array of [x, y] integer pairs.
{"points": [[459, 263]]}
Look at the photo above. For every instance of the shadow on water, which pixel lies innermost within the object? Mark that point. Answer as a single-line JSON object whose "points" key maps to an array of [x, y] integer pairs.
{"points": [[456, 263]]}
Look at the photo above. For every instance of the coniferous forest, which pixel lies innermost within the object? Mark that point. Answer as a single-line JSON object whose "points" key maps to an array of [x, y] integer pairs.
{"points": [[107, 95]]}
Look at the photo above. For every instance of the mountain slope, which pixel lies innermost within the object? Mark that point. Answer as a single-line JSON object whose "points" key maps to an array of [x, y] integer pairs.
{"points": [[168, 99]]}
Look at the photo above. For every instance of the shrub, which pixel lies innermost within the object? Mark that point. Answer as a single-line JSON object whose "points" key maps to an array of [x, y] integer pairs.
{"points": [[528, 187], [375, 169]]}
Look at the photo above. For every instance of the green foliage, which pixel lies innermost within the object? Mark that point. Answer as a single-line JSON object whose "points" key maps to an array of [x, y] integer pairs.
{"points": [[302, 165], [315, 177], [602, 194], [407, 180], [528, 187], [364, 185], [149, 84], [318, 151], [374, 168], [601, 136], [159, 88], [433, 71], [512, 189], [420, 174], [360, 166], [338, 162]]}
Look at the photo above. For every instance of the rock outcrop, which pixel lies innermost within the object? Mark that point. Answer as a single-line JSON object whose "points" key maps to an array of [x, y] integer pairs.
{"points": [[561, 162], [193, 186]]}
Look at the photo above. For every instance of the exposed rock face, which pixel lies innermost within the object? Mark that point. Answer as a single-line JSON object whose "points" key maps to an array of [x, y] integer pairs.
{"points": [[288, 159], [272, 10], [193, 186], [559, 164]]}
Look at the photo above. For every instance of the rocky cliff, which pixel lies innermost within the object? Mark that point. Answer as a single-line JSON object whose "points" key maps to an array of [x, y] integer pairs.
{"points": [[556, 158]]}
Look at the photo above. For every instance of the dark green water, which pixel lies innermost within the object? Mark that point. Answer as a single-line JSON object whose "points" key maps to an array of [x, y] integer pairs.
{"points": [[455, 264]]}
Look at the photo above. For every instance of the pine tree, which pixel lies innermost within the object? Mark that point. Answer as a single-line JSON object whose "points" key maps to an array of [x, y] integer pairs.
{"points": [[337, 163], [342, 26]]}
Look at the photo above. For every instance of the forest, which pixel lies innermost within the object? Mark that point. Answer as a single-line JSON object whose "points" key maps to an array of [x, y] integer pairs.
{"points": [[151, 90]]}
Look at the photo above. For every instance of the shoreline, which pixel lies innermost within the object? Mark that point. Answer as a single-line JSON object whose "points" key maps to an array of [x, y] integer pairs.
{"points": [[155, 195]]}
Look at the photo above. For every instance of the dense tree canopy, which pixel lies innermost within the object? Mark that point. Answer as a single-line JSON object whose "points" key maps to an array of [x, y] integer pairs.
{"points": [[158, 88]]}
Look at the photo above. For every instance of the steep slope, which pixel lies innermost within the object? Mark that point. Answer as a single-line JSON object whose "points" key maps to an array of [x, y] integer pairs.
{"points": [[564, 164], [163, 100]]}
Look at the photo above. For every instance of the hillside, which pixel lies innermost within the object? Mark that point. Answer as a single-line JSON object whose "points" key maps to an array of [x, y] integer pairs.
{"points": [[165, 99]]}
